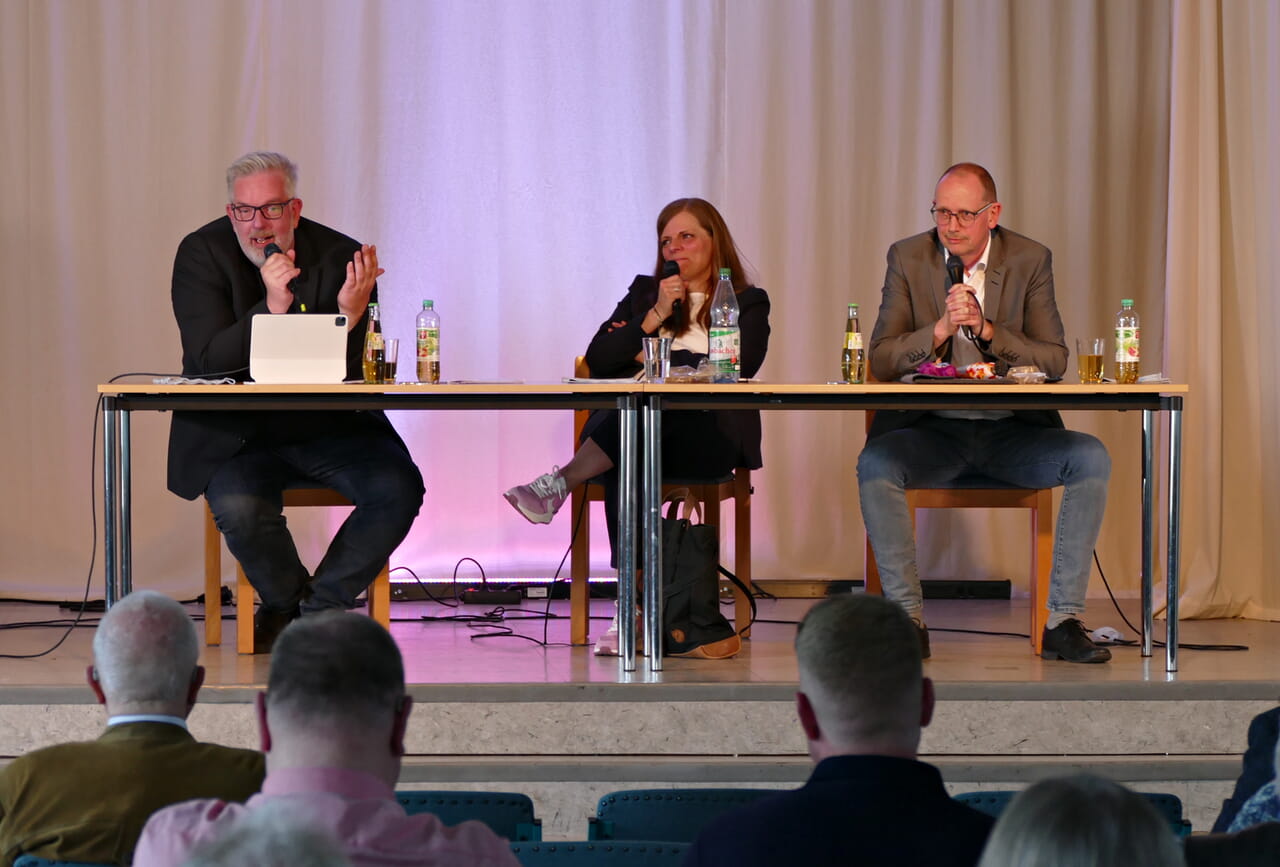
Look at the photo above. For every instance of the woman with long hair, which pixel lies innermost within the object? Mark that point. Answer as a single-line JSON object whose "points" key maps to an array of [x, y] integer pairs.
{"points": [[693, 235]]}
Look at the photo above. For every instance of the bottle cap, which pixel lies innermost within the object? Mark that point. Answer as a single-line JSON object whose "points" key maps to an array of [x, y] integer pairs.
{"points": [[725, 272], [1126, 302], [427, 303]]}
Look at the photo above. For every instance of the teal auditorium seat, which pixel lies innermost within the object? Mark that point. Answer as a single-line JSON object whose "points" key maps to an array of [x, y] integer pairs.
{"points": [[663, 814], [509, 814], [606, 853], [37, 861], [1167, 805]]}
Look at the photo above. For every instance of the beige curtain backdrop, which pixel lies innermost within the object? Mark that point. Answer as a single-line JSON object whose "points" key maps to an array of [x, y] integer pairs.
{"points": [[509, 159]]}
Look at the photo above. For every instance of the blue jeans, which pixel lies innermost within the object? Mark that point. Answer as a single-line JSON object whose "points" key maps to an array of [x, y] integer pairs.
{"points": [[367, 464], [942, 452]]}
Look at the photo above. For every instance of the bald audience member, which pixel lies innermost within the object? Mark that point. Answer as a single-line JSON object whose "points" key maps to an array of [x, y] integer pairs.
{"points": [[862, 703], [88, 801], [332, 723]]}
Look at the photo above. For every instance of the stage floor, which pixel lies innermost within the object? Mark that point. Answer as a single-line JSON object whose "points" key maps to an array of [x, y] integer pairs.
{"points": [[476, 645], [508, 712]]}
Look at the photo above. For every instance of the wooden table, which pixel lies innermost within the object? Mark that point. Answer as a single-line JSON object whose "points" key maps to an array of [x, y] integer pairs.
{"points": [[644, 402], [1147, 398]]}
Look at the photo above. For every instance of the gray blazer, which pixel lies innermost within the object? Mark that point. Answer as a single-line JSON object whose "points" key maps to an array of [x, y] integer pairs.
{"points": [[1019, 302]]}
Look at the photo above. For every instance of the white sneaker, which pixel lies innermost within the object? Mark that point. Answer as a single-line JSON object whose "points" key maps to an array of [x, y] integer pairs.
{"points": [[540, 499], [607, 644]]}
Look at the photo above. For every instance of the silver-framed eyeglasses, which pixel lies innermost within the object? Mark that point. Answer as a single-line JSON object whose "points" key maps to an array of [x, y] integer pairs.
{"points": [[271, 210], [942, 216]]}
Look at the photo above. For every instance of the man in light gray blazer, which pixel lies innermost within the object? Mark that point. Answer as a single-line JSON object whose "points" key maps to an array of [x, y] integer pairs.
{"points": [[996, 304]]}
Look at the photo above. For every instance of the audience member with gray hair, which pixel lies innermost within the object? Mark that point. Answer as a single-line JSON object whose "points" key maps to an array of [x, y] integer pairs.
{"points": [[862, 703], [88, 801], [1081, 821], [332, 723]]}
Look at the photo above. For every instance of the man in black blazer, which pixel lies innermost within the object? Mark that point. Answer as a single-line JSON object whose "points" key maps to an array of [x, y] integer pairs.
{"points": [[242, 460], [862, 703], [998, 306]]}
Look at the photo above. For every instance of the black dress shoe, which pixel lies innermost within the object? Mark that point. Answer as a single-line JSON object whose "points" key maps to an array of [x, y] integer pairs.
{"points": [[1068, 641], [923, 632], [267, 625]]}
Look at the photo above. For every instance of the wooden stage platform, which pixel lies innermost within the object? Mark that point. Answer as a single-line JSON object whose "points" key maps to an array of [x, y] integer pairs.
{"points": [[553, 721]]}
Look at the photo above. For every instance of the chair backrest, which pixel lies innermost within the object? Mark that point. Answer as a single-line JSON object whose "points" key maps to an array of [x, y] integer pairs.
{"points": [[581, 371], [37, 861], [663, 814], [508, 814], [1167, 805], [606, 853]]}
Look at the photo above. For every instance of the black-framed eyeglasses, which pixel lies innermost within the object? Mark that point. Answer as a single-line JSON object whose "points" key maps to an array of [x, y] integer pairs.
{"points": [[271, 210], [942, 216]]}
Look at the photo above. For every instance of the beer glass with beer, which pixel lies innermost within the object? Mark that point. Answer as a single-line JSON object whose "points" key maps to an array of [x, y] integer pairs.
{"points": [[1089, 358]]}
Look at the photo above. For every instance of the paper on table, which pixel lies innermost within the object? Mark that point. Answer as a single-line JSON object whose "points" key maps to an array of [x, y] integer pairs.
{"points": [[587, 380]]}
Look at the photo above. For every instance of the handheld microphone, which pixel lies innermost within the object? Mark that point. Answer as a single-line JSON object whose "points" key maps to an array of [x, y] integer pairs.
{"points": [[670, 269], [955, 273], [269, 251]]}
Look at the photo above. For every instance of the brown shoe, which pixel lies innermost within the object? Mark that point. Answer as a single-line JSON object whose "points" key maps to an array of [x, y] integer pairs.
{"points": [[923, 632]]}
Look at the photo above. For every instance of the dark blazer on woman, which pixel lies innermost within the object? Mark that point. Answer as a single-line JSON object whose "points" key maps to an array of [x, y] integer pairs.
{"points": [[613, 352]]}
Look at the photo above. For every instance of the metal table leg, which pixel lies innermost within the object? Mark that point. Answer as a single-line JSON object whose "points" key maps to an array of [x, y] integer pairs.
{"points": [[126, 506], [110, 516], [1174, 528], [626, 532], [1148, 527], [651, 529]]}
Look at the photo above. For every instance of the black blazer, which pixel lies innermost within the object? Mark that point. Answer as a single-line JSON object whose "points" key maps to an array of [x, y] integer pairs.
{"points": [[1259, 766], [613, 351], [216, 292], [877, 811]]}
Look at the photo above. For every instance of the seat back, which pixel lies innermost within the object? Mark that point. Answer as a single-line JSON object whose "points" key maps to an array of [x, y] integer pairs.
{"points": [[981, 492], [663, 814], [37, 861], [608, 853], [1169, 806], [508, 814], [378, 594]]}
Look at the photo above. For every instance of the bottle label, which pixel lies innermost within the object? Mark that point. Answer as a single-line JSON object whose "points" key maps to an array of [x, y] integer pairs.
{"points": [[723, 348], [853, 340], [429, 344], [1127, 345]]}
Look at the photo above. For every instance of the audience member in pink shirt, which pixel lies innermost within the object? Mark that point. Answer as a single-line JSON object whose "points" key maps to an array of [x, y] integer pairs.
{"points": [[332, 725]]}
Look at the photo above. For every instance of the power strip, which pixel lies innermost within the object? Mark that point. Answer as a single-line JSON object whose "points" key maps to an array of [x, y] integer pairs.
{"points": [[491, 597]]}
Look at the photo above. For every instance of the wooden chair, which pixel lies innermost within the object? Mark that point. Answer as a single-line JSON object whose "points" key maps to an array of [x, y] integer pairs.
{"points": [[735, 486], [984, 493], [379, 592]]}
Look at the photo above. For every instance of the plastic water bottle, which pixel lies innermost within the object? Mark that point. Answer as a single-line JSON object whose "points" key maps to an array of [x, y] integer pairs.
{"points": [[1128, 355], [724, 338], [428, 343], [853, 358], [373, 345]]}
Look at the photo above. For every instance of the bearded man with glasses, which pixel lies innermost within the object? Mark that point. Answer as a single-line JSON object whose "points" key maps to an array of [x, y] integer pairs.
{"points": [[264, 257], [996, 305]]}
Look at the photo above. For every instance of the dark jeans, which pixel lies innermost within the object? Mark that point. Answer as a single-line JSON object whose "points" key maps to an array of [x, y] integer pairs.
{"points": [[366, 463], [693, 447]]}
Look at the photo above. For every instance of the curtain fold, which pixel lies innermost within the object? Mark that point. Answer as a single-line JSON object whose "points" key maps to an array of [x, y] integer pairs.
{"points": [[509, 159]]}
